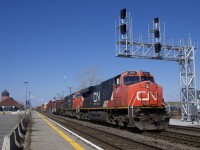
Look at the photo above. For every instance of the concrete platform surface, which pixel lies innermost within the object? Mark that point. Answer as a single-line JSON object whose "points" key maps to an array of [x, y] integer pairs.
{"points": [[7, 122], [183, 123], [46, 135]]}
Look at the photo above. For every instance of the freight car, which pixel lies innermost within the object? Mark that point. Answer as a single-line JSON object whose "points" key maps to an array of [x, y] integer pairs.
{"points": [[131, 99], [54, 106]]}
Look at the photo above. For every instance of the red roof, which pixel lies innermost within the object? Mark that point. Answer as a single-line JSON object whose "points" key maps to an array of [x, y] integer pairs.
{"points": [[9, 102]]}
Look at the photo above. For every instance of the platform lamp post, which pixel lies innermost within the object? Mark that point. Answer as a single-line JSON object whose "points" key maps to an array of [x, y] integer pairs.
{"points": [[26, 83], [30, 100]]}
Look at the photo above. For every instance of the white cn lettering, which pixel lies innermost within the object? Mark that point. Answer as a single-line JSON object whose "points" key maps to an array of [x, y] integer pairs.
{"points": [[154, 97], [140, 96], [96, 96]]}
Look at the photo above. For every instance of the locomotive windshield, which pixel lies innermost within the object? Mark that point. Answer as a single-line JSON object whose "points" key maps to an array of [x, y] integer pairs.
{"points": [[128, 80], [147, 78], [131, 80]]}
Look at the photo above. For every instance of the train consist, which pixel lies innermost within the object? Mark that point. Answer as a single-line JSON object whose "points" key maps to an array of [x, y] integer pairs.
{"points": [[131, 99]]}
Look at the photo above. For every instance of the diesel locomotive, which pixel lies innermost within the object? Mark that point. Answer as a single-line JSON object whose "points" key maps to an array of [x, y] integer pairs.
{"points": [[131, 99]]}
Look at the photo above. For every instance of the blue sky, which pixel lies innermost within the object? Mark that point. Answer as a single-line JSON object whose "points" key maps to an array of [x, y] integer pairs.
{"points": [[41, 41]]}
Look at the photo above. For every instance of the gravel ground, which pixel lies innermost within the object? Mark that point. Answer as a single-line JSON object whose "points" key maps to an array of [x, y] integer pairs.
{"points": [[137, 137]]}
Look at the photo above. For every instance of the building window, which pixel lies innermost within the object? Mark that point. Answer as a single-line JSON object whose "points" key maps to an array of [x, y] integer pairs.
{"points": [[8, 108]]}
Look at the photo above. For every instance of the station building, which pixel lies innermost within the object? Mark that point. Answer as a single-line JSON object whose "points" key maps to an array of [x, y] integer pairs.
{"points": [[7, 103]]}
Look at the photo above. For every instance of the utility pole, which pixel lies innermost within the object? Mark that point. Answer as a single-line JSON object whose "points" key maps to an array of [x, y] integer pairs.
{"points": [[70, 89], [58, 96], [63, 94]]}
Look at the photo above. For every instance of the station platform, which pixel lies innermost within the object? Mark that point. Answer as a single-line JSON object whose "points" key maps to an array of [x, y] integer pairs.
{"points": [[180, 122], [47, 135]]}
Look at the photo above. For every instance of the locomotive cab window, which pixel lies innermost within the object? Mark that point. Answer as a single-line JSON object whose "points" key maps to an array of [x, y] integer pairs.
{"points": [[117, 81], [147, 78], [131, 80], [78, 95]]}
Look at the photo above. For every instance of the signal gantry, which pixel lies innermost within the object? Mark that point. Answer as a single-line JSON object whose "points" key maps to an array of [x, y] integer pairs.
{"points": [[155, 47]]}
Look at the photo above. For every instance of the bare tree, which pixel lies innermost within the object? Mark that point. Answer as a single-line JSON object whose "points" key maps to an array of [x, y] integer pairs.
{"points": [[88, 77]]}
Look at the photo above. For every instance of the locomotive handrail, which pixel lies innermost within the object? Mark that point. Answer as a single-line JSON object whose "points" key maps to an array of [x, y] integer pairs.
{"points": [[129, 105]]}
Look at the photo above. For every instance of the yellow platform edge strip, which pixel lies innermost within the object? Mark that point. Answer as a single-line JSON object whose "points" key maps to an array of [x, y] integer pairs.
{"points": [[62, 134]]}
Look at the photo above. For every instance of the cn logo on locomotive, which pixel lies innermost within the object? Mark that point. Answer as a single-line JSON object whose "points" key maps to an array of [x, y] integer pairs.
{"points": [[96, 96], [140, 96]]}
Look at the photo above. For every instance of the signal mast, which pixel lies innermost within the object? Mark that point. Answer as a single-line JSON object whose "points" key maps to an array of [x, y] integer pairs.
{"points": [[156, 48]]}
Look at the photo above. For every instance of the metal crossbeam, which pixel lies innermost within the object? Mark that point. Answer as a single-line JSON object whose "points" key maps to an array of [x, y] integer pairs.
{"points": [[147, 51]]}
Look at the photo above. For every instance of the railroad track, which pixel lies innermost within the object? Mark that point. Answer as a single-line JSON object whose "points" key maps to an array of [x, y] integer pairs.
{"points": [[184, 128], [102, 138], [174, 137]]}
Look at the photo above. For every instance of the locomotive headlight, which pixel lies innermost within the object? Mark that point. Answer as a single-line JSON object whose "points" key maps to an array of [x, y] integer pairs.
{"points": [[144, 103], [147, 85]]}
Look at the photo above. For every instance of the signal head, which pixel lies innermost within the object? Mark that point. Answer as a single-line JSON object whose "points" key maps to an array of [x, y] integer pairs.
{"points": [[157, 33], [156, 20], [157, 47], [123, 28], [123, 13]]}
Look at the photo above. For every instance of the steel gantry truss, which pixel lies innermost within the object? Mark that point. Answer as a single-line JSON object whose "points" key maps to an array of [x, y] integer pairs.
{"points": [[182, 53]]}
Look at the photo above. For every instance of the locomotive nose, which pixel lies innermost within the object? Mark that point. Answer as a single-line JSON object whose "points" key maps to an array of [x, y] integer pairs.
{"points": [[148, 94], [148, 85]]}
